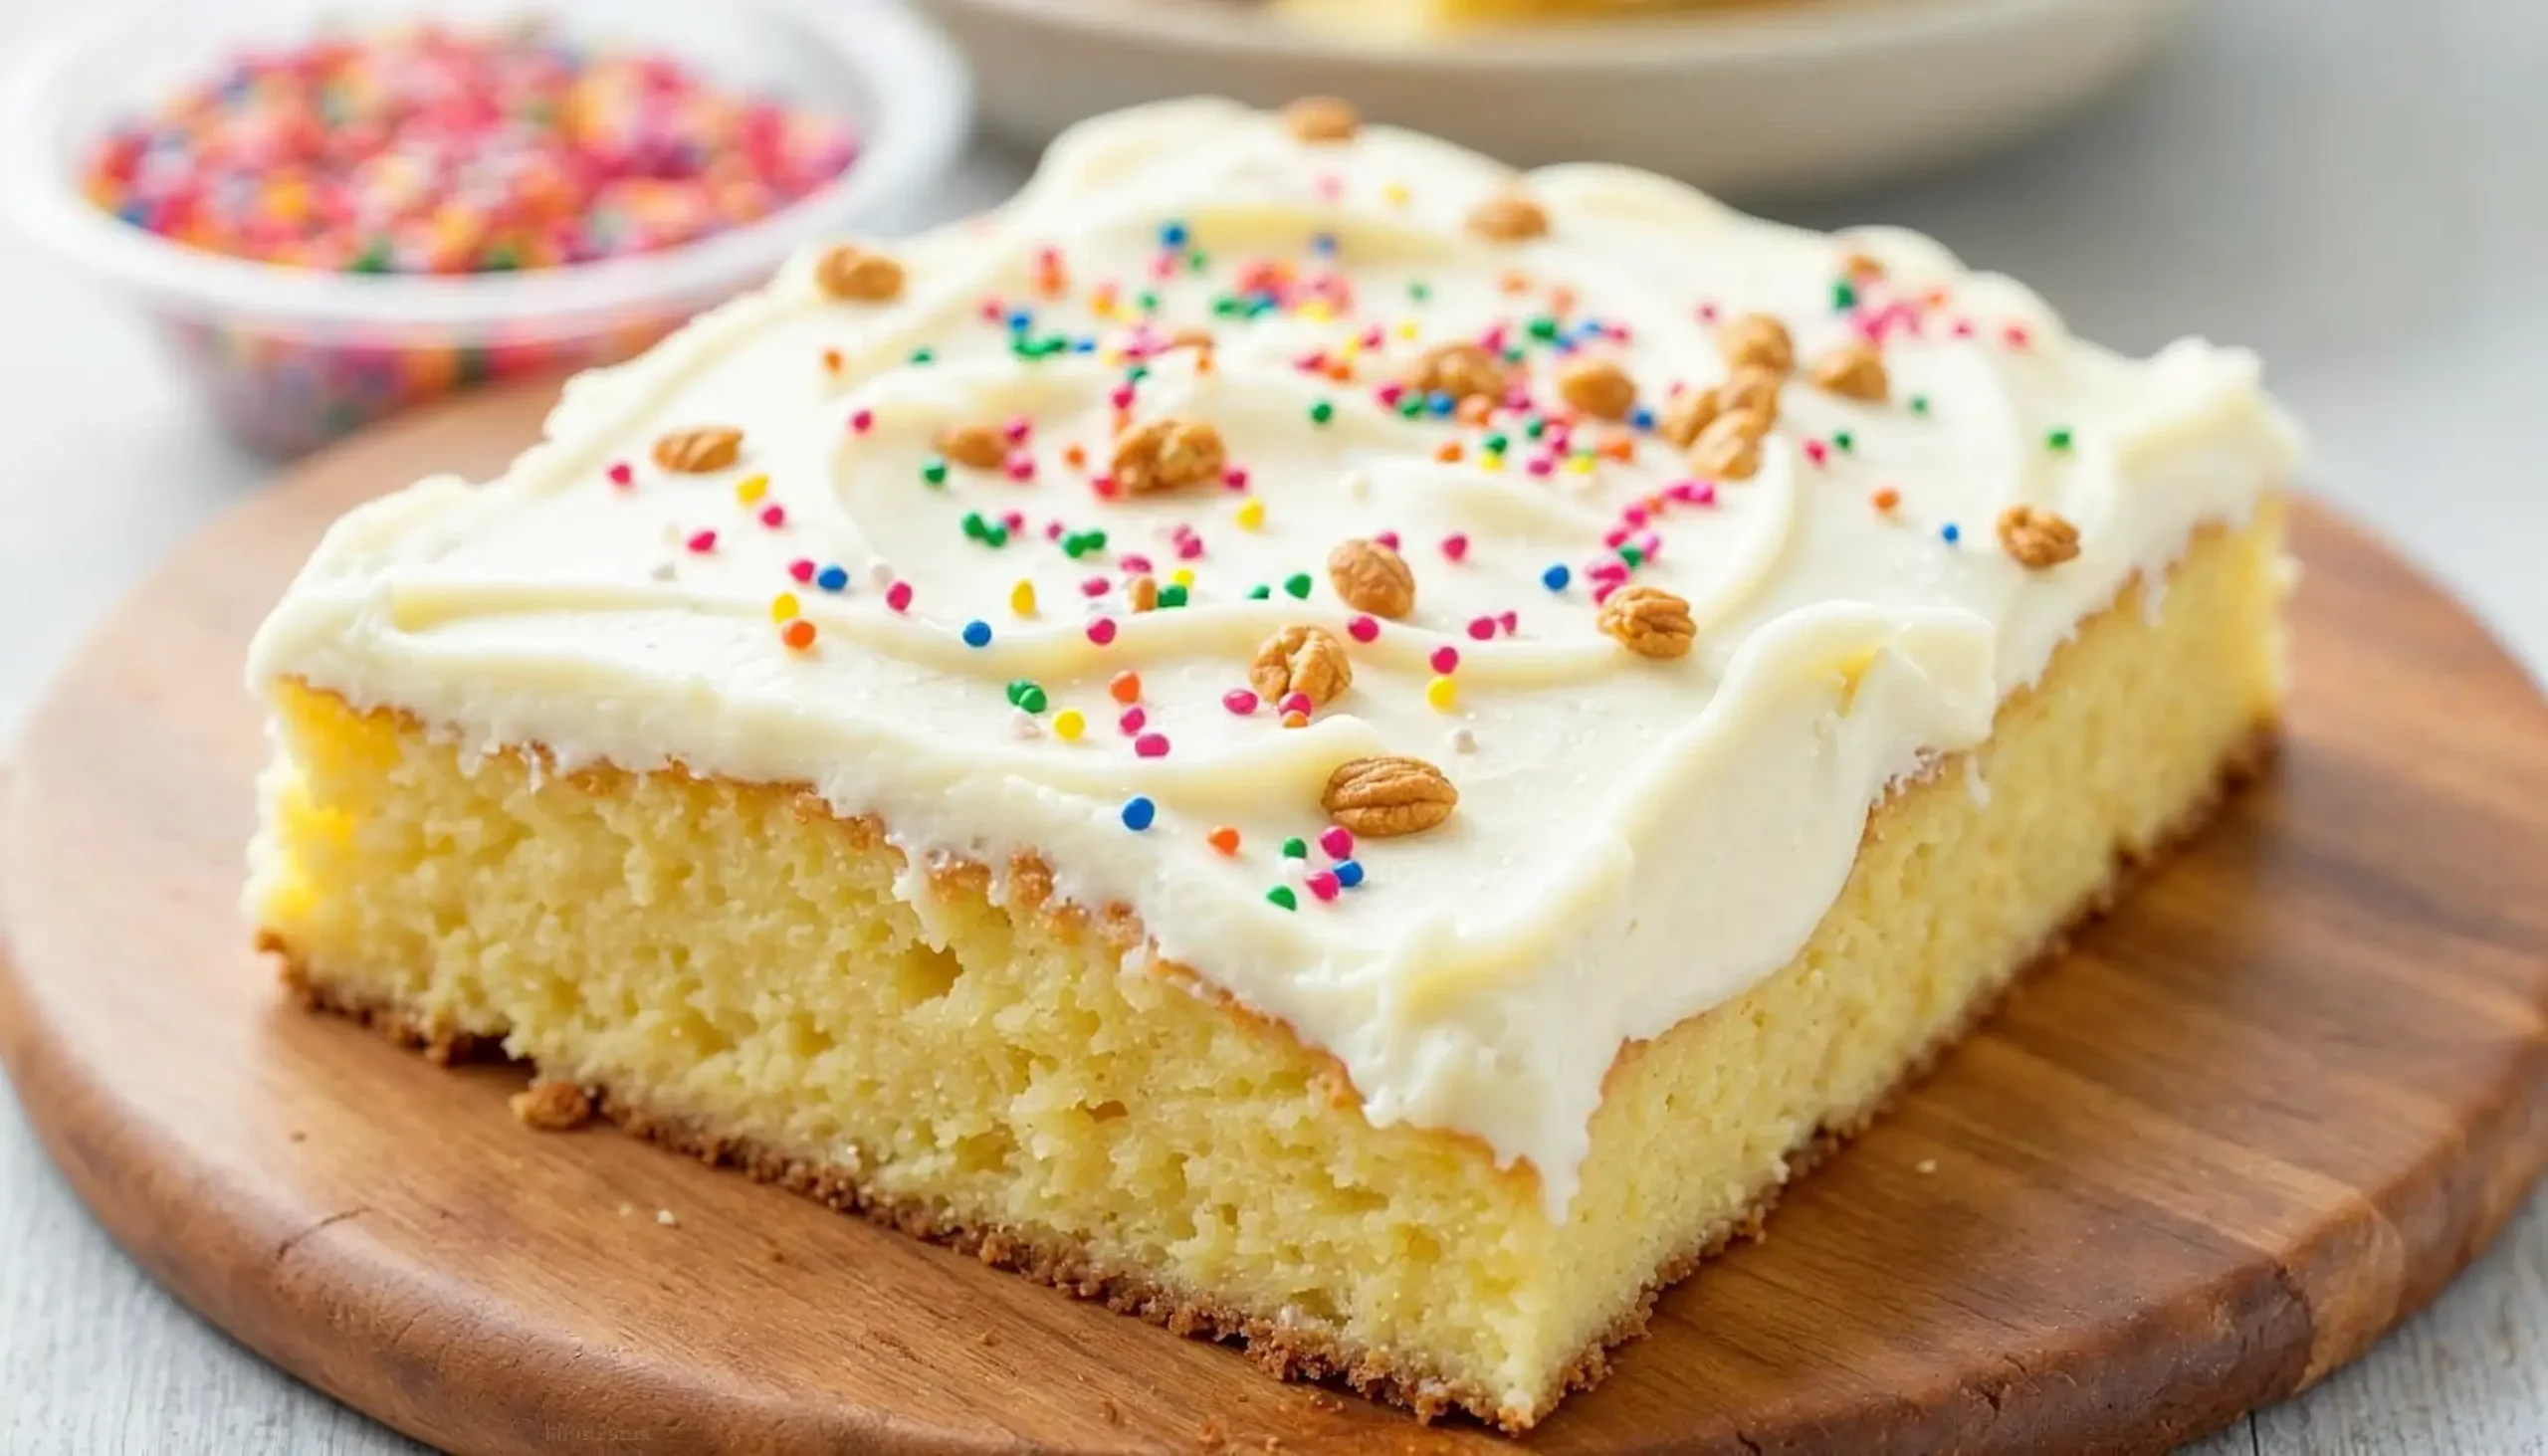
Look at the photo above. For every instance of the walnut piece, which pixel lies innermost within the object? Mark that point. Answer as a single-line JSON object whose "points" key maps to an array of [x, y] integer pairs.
{"points": [[2038, 538], [552, 1107], [1599, 388], [1685, 415], [1321, 121], [1304, 659], [1756, 339], [981, 446], [854, 274], [1755, 389], [1730, 448], [1648, 621], [1509, 218], [699, 451], [1854, 371], [1461, 370], [1369, 577], [1389, 795], [1167, 454]]}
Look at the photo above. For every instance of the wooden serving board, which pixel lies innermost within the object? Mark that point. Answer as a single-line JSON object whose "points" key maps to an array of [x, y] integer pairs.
{"points": [[2255, 1119]]}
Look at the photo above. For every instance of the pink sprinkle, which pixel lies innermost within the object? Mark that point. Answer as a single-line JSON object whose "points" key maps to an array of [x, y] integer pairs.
{"points": [[1134, 562], [1963, 328], [1164, 267], [1601, 593], [1817, 452], [1102, 631], [993, 311], [802, 569], [1455, 546], [1296, 702], [1150, 746], [1121, 396], [1707, 312], [1021, 466], [1188, 547], [1329, 186], [1650, 545], [1362, 629], [1492, 341], [1323, 883], [1388, 538], [1312, 362], [1337, 842], [1615, 538], [1540, 465], [1132, 720], [1704, 495], [1015, 521], [1446, 659], [1094, 586], [1635, 514], [704, 541], [1516, 399], [863, 421], [773, 516], [1239, 701], [1608, 573], [1234, 477], [1511, 622], [1103, 487], [899, 595], [1018, 429], [620, 474], [1373, 337], [1390, 394]]}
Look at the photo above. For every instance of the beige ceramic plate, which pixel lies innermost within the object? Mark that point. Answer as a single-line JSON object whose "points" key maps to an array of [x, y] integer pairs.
{"points": [[1783, 97]]}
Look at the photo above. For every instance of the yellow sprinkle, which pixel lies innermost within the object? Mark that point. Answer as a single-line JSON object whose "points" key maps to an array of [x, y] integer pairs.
{"points": [[1350, 349], [782, 607], [1068, 725], [1111, 359], [1581, 465], [1442, 692], [1250, 514], [751, 487], [1182, 576], [1490, 462], [1406, 329], [1318, 310], [1102, 308], [1021, 598], [1394, 194]]}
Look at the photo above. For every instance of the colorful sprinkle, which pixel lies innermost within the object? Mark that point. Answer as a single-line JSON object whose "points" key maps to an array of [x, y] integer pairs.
{"points": [[1455, 546], [1296, 848], [1445, 659], [1349, 873], [782, 607], [1442, 692], [1021, 599], [1362, 628], [1297, 585], [1950, 533], [1224, 840], [1250, 514], [703, 542], [1281, 895], [831, 578], [1322, 883], [1556, 577], [1102, 631], [1139, 813], [977, 634], [1240, 701], [899, 595], [1336, 842], [797, 634], [1069, 723], [1150, 746], [1125, 687]]}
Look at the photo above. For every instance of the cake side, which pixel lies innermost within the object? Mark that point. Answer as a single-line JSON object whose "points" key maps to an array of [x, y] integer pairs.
{"points": [[738, 969]]}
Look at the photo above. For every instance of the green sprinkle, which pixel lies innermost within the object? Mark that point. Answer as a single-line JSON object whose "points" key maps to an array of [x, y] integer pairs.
{"points": [[1513, 354], [374, 257], [1544, 327], [1146, 301], [932, 471], [1410, 405], [1259, 592], [1282, 895], [1298, 585], [1226, 307], [1534, 427], [1495, 443], [975, 528], [1919, 405], [1321, 412], [923, 356], [1096, 540], [1171, 596], [1198, 261], [1421, 292], [1017, 690], [1296, 849], [1844, 297], [1843, 441], [1032, 700], [1074, 545], [2059, 439], [996, 533], [1137, 373], [1632, 557]]}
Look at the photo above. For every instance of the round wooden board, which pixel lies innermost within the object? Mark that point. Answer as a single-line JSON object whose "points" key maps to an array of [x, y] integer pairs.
{"points": [[2248, 1122]]}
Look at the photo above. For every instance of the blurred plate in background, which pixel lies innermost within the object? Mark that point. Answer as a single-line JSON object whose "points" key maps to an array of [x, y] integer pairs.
{"points": [[1781, 98]]}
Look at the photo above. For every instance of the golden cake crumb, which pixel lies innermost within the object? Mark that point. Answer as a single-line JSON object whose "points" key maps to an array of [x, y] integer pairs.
{"points": [[552, 1107], [856, 275]]}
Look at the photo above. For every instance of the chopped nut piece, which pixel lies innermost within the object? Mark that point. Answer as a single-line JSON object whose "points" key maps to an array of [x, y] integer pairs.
{"points": [[552, 1107], [1649, 621], [978, 446], [1461, 370], [1389, 795], [1509, 218], [1167, 454], [1599, 388], [1369, 577], [2038, 538], [1730, 448], [696, 451], [1854, 371], [1756, 339], [853, 274], [1754, 389], [1321, 121], [1304, 659], [1863, 266], [1689, 412]]}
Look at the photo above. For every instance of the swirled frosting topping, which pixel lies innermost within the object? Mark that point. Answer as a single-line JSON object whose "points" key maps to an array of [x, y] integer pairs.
{"points": [[1467, 616]]}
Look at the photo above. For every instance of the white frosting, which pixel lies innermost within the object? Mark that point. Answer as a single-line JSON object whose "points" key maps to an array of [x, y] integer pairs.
{"points": [[1635, 840]]}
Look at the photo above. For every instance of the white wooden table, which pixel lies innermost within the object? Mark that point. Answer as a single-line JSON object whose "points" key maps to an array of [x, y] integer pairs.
{"points": [[2359, 191]]}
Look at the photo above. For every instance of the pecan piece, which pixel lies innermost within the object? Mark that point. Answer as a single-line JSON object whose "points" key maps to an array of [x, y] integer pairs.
{"points": [[699, 451], [854, 274], [980, 446], [1389, 795], [1509, 217], [1854, 371], [1756, 339], [1730, 448], [1461, 370], [2038, 538]]}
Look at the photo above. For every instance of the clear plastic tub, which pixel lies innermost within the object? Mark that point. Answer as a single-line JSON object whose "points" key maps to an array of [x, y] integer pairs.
{"points": [[290, 358]]}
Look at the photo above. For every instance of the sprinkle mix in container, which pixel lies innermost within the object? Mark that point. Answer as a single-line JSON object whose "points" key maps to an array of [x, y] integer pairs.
{"points": [[337, 210]]}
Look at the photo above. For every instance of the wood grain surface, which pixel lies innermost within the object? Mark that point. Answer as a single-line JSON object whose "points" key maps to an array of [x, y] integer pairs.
{"points": [[2248, 1122]]}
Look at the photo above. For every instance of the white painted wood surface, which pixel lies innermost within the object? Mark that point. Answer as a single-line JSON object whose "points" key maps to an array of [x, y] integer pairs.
{"points": [[2358, 190]]}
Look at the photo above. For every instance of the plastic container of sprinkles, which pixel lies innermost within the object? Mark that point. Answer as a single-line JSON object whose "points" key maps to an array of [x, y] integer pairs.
{"points": [[290, 356]]}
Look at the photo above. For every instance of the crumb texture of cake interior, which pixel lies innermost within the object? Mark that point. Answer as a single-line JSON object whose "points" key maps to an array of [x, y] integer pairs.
{"points": [[1334, 743]]}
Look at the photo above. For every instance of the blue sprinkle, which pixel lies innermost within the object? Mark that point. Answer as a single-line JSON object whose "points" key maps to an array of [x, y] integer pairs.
{"points": [[1556, 577], [1324, 244], [1172, 235], [1951, 533], [831, 578], [1020, 321], [1642, 418], [1138, 811], [1349, 873], [1440, 403], [977, 634], [1083, 345]]}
